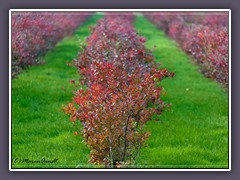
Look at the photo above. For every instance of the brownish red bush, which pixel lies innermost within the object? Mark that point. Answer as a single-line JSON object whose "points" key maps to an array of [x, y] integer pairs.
{"points": [[121, 92], [204, 35]]}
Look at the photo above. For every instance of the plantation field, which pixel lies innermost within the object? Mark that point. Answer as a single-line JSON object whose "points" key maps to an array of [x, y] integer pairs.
{"points": [[39, 127], [192, 133], [195, 133]]}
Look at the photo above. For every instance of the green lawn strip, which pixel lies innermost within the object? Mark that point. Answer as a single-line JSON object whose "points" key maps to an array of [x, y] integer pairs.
{"points": [[39, 128], [194, 134]]}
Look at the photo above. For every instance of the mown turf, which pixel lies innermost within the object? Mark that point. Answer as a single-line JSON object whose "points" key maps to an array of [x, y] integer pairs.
{"points": [[194, 134], [39, 128]]}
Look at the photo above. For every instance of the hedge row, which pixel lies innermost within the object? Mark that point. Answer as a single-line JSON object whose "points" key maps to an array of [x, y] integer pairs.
{"points": [[121, 94], [203, 35], [34, 33]]}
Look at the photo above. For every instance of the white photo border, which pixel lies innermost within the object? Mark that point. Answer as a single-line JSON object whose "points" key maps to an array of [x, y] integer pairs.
{"points": [[123, 10]]}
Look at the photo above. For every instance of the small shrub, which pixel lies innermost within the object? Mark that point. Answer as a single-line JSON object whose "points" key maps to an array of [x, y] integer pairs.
{"points": [[121, 92]]}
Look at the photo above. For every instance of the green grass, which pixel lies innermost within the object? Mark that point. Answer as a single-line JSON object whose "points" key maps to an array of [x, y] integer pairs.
{"points": [[39, 128], [194, 134]]}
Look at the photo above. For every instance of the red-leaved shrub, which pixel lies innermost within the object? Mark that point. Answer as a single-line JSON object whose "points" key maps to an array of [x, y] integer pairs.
{"points": [[202, 34], [33, 33], [121, 92]]}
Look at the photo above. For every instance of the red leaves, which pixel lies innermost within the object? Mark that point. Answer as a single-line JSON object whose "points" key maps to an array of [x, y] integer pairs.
{"points": [[200, 35], [73, 118], [72, 81], [77, 99], [142, 39], [95, 87], [35, 33], [83, 69], [140, 51], [120, 79], [205, 37], [210, 49]]}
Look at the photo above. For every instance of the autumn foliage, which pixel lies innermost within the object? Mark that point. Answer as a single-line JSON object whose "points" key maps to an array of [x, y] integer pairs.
{"points": [[121, 93], [34, 33], [204, 35]]}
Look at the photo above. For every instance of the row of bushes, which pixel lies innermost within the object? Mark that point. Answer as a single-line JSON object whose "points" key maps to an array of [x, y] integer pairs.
{"points": [[203, 35], [121, 93], [33, 33]]}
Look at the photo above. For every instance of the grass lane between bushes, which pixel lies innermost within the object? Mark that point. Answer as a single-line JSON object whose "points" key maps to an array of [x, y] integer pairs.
{"points": [[40, 130], [194, 134]]}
